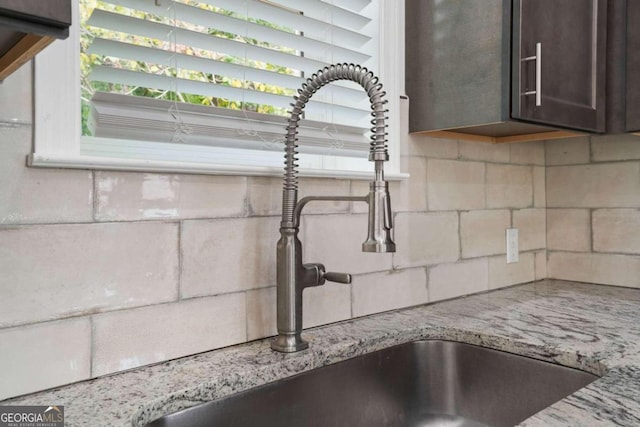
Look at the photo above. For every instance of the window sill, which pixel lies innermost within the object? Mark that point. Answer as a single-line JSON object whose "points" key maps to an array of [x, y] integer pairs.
{"points": [[168, 166]]}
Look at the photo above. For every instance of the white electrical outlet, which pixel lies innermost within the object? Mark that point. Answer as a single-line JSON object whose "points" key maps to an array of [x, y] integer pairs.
{"points": [[513, 255]]}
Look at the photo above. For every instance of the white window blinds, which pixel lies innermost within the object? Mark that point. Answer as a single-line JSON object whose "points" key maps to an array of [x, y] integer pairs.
{"points": [[223, 72]]}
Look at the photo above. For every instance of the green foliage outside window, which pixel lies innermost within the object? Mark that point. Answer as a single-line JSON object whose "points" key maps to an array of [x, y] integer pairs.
{"points": [[88, 61]]}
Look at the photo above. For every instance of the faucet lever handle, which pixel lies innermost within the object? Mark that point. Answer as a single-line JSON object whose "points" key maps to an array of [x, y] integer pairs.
{"points": [[337, 277]]}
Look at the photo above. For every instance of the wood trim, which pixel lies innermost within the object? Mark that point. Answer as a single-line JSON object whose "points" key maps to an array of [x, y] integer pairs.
{"points": [[22, 52], [538, 136], [458, 135], [500, 139]]}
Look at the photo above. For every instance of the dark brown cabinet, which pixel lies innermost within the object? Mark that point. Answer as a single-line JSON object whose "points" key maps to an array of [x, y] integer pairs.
{"points": [[632, 63], [506, 70], [559, 63], [28, 26], [50, 17]]}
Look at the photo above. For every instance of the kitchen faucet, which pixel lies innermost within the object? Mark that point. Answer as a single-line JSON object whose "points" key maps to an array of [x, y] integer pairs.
{"points": [[292, 275]]}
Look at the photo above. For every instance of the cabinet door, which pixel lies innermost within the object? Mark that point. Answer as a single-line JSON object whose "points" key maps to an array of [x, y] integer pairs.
{"points": [[633, 66], [51, 12], [558, 63]]}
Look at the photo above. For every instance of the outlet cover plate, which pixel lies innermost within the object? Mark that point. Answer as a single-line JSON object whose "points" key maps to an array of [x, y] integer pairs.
{"points": [[513, 255]]}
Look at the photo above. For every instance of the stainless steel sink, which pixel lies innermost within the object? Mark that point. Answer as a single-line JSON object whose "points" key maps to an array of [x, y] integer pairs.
{"points": [[423, 383]]}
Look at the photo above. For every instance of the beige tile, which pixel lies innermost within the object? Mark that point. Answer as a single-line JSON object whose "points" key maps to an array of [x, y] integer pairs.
{"points": [[401, 193], [528, 153], [462, 278], [228, 255], [455, 185], [426, 238], [32, 195], [265, 195], [40, 356], [532, 228], [426, 146], [324, 304], [336, 241], [483, 232], [16, 100], [596, 185], [606, 269], [409, 195], [261, 313], [539, 187], [473, 150], [615, 147], [404, 126], [324, 187], [131, 338], [55, 271], [567, 151], [541, 265], [616, 230], [124, 196], [502, 274], [361, 188], [569, 229], [321, 305], [509, 186], [378, 292]]}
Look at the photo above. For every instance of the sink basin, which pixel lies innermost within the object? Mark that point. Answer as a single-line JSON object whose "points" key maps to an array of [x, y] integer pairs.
{"points": [[418, 384]]}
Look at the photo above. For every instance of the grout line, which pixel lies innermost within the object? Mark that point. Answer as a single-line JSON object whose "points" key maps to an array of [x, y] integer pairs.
{"points": [[426, 280], [591, 247], [145, 221], [596, 162], [625, 254], [10, 226], [180, 261], [90, 313], [459, 235], [94, 196], [533, 186], [92, 345], [246, 316], [546, 214], [485, 184], [351, 298], [246, 205]]}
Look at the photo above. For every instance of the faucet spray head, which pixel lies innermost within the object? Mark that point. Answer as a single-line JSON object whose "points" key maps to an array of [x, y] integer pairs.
{"points": [[380, 222]]}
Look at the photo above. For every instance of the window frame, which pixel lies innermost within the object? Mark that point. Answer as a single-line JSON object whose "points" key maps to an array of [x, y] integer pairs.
{"points": [[57, 139]]}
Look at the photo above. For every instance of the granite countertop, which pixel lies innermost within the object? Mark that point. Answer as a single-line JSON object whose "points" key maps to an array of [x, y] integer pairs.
{"points": [[591, 327]]}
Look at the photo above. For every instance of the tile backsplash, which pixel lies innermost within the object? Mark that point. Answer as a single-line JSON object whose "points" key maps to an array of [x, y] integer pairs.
{"points": [[106, 271], [593, 215]]}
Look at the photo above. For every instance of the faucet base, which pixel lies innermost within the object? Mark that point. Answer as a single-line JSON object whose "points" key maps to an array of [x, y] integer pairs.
{"points": [[289, 343]]}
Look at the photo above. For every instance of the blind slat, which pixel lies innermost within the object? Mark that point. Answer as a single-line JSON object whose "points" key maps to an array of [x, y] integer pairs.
{"points": [[148, 120], [315, 110], [312, 27], [140, 27], [354, 5], [346, 96], [328, 13], [315, 49]]}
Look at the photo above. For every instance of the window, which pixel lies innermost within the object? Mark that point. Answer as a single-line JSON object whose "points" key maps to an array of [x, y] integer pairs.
{"points": [[204, 86]]}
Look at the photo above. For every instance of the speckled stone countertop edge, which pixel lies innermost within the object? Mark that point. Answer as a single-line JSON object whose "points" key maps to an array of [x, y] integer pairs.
{"points": [[589, 327]]}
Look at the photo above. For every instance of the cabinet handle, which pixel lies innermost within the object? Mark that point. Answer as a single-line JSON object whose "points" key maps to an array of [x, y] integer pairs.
{"points": [[538, 59]]}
